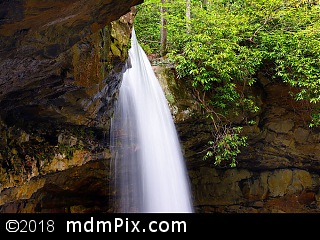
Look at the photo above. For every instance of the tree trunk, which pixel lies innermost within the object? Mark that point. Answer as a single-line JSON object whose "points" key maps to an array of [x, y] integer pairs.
{"points": [[163, 30], [188, 15], [205, 3]]}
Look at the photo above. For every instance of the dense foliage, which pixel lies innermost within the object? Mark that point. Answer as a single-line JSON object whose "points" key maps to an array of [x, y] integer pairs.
{"points": [[220, 49]]}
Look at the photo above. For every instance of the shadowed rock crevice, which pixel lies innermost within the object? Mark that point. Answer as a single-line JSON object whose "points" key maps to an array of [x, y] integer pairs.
{"points": [[60, 69], [53, 55]]}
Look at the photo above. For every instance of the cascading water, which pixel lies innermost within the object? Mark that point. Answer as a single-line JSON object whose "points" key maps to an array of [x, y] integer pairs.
{"points": [[150, 173]]}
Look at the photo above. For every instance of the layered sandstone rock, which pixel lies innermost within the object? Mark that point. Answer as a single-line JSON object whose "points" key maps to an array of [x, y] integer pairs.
{"points": [[60, 68], [279, 170]]}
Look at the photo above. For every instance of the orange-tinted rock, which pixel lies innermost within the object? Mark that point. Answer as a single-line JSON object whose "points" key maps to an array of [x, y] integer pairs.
{"points": [[58, 81]]}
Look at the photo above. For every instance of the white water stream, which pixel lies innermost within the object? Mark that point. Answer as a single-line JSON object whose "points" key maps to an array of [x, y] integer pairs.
{"points": [[149, 168]]}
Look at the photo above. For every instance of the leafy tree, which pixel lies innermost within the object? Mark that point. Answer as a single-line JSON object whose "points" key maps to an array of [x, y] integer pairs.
{"points": [[147, 25], [219, 47]]}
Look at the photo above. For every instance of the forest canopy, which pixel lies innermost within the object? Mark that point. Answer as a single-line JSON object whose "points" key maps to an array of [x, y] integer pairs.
{"points": [[220, 46]]}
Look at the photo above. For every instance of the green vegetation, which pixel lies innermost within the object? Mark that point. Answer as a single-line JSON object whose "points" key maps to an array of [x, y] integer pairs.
{"points": [[219, 46]]}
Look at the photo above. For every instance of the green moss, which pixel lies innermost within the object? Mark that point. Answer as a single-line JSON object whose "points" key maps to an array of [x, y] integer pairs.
{"points": [[115, 50], [68, 151]]}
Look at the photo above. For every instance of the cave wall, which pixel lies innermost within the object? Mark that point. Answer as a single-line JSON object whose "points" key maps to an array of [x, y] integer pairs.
{"points": [[54, 62], [60, 69]]}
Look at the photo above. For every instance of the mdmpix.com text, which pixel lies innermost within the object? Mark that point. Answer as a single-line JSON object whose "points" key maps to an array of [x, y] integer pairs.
{"points": [[125, 225]]}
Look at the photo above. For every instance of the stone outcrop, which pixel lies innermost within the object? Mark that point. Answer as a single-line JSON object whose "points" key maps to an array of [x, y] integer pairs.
{"points": [[277, 173], [60, 68], [57, 56]]}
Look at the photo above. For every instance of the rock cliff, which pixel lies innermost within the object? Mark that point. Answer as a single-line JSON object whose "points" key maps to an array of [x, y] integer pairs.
{"points": [[60, 68], [279, 170]]}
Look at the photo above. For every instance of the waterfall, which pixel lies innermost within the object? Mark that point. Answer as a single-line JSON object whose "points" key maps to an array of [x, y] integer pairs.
{"points": [[148, 165]]}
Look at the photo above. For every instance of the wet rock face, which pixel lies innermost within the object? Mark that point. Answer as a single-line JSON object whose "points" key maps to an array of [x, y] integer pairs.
{"points": [[60, 69], [277, 173], [279, 170], [50, 57]]}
